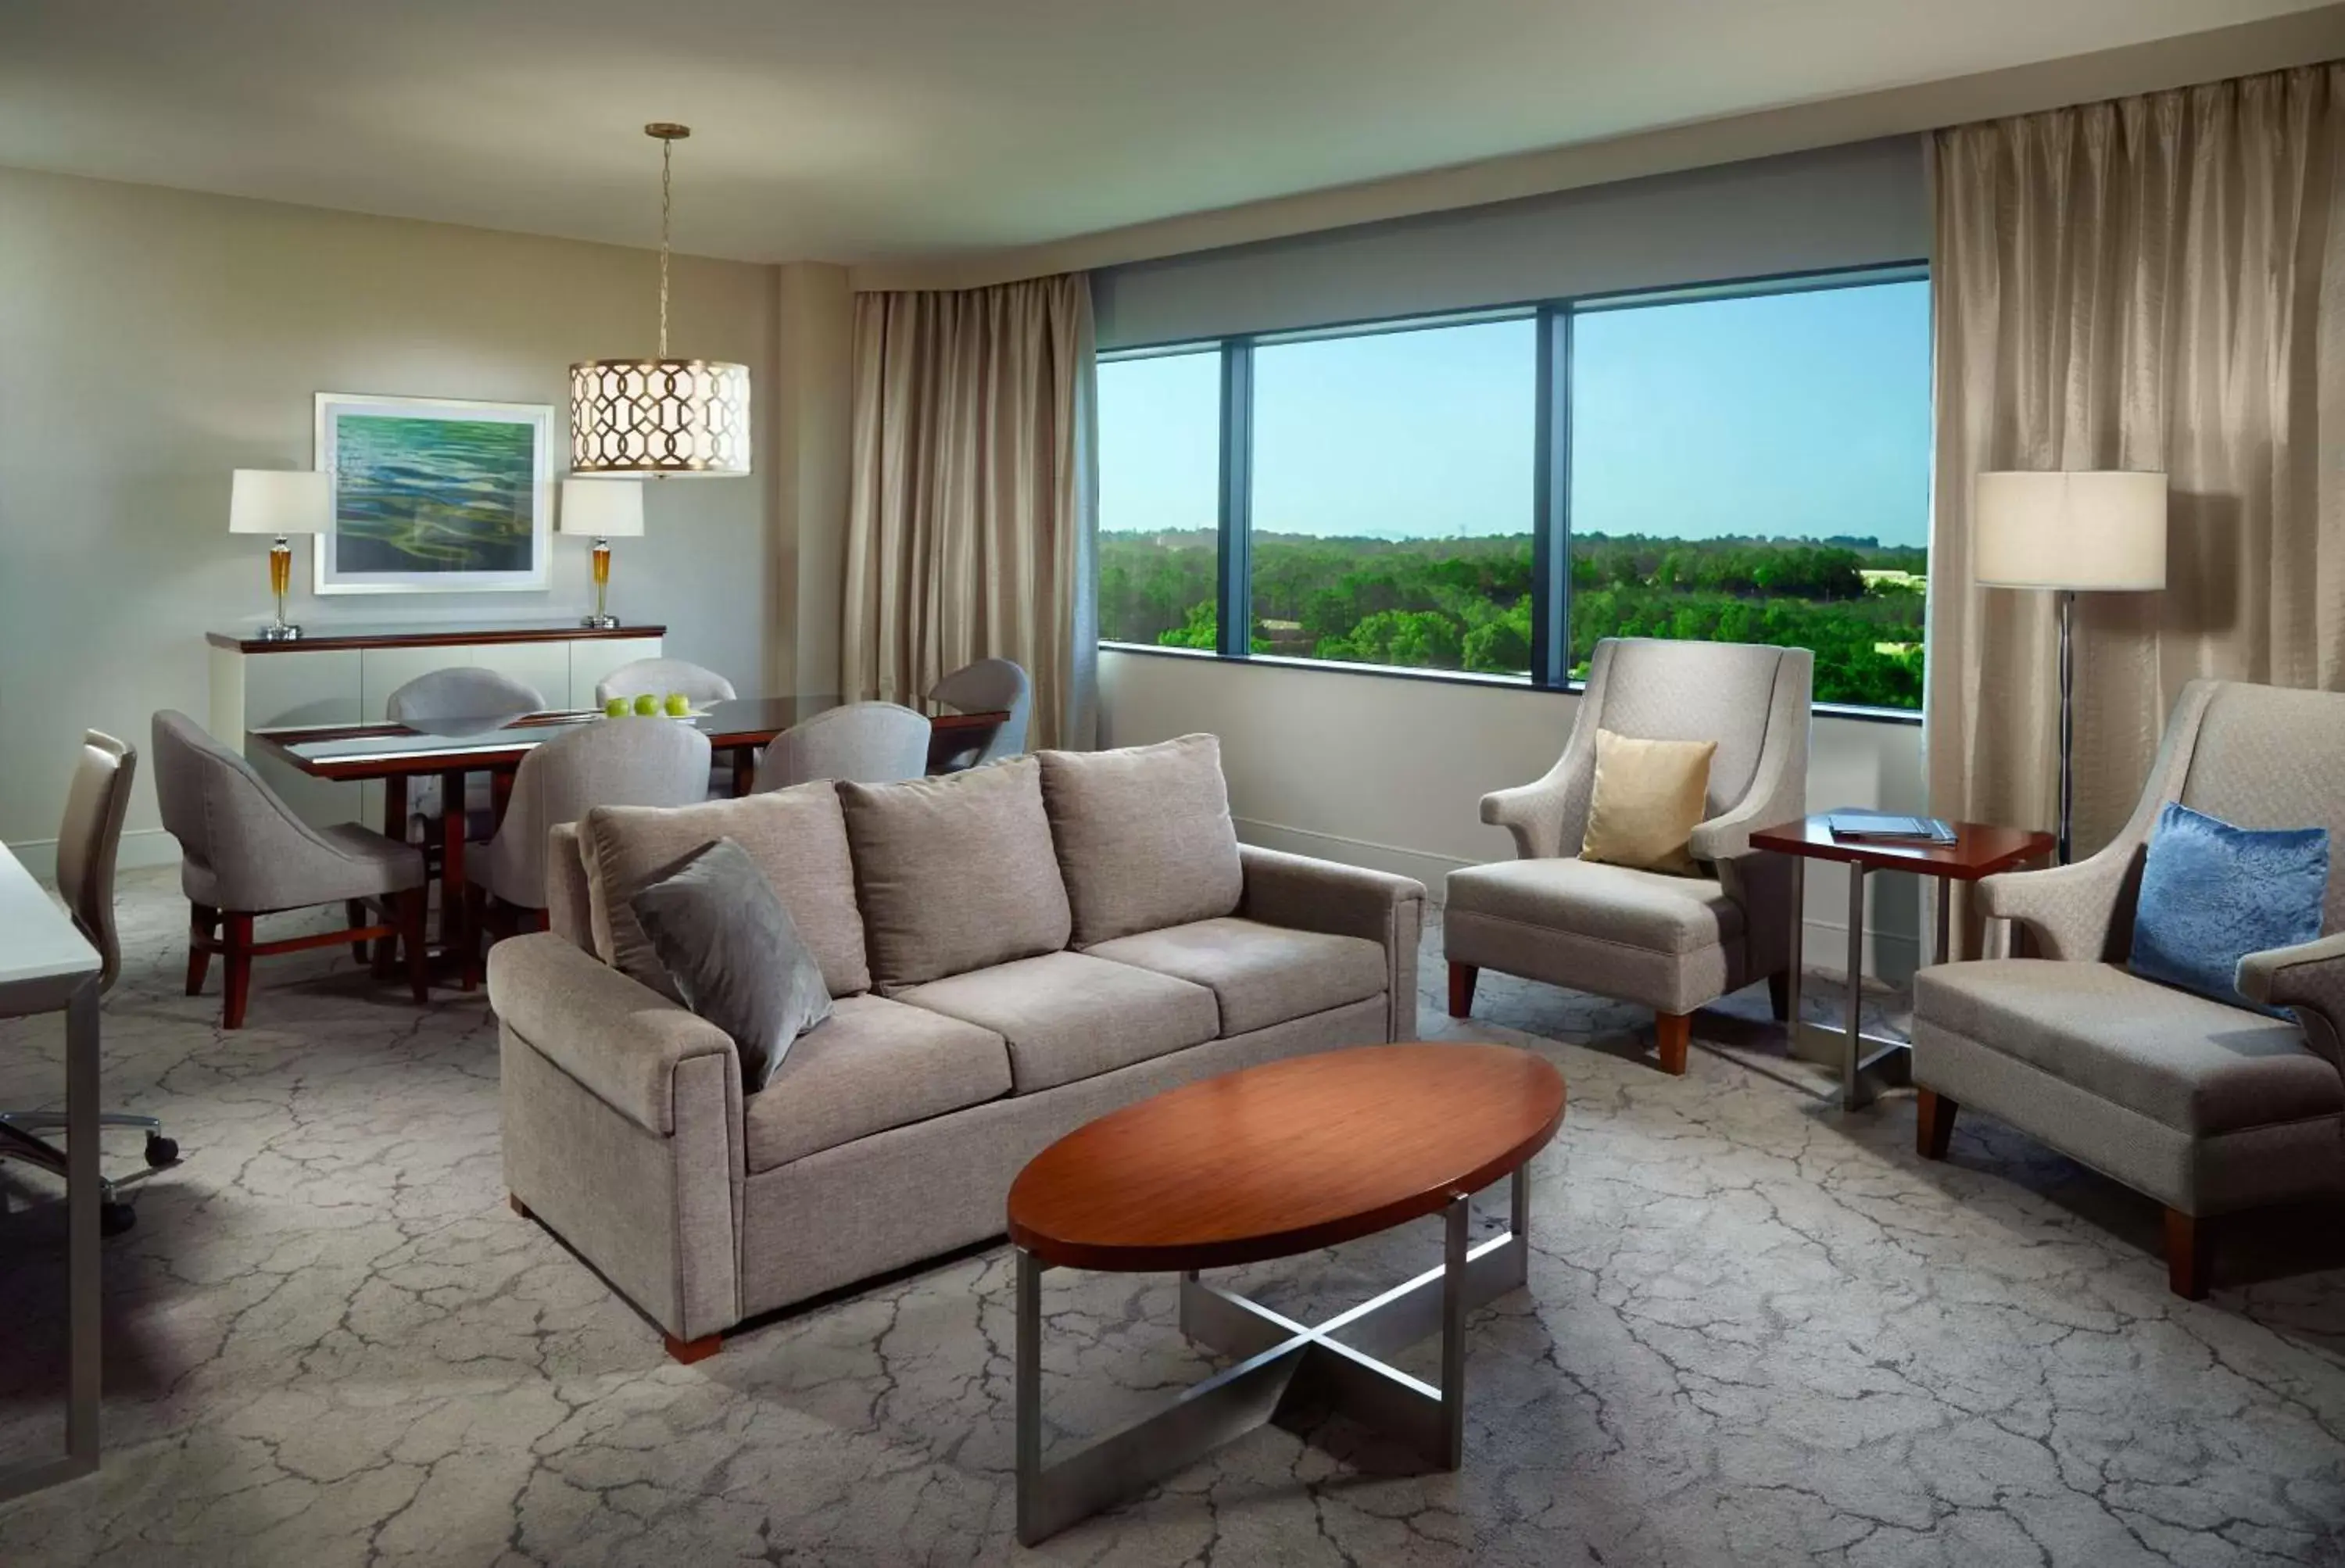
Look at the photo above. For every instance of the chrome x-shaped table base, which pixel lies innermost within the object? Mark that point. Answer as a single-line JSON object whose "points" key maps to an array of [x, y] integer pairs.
{"points": [[1282, 1369]]}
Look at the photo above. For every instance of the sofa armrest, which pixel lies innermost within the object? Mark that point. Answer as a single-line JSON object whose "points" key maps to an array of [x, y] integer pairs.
{"points": [[622, 1041], [1307, 894], [2309, 977]]}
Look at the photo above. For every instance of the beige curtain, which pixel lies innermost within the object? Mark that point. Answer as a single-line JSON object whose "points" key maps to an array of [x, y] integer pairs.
{"points": [[2154, 283], [971, 526]]}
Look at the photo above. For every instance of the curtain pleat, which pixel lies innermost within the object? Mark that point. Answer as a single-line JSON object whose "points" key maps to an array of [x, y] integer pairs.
{"points": [[2151, 283], [972, 511]]}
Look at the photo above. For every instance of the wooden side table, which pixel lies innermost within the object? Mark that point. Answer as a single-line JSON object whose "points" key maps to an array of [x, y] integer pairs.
{"points": [[1869, 1063]]}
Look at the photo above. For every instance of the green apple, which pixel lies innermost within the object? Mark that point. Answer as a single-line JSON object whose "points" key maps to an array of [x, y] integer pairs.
{"points": [[647, 705], [616, 707], [678, 704]]}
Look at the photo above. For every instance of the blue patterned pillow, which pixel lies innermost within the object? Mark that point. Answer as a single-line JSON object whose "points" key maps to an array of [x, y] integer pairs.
{"points": [[2212, 893]]}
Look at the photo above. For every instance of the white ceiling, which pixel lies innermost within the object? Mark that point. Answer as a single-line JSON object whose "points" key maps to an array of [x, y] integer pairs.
{"points": [[857, 130]]}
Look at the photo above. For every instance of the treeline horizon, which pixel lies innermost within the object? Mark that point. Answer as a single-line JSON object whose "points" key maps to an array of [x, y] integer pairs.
{"points": [[1463, 602]]}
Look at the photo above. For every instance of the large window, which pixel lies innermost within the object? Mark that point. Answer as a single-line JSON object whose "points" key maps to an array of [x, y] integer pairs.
{"points": [[1492, 493]]}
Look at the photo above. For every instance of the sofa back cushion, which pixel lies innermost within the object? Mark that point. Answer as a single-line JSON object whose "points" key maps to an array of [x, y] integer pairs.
{"points": [[796, 836], [954, 873], [1143, 836]]}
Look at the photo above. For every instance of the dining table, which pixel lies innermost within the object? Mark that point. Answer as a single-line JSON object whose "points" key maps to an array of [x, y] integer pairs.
{"points": [[452, 751]]}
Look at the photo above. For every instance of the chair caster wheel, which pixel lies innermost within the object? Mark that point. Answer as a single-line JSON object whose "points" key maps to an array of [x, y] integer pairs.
{"points": [[161, 1151], [114, 1218]]}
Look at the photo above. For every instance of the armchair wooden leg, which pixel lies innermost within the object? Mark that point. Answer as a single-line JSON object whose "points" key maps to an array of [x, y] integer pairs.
{"points": [[1462, 977], [2189, 1254], [1934, 1124], [412, 907], [1674, 1033], [203, 929], [687, 1351], [1778, 995], [239, 953]]}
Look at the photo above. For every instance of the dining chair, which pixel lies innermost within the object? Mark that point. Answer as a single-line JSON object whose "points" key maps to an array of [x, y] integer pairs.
{"points": [[989, 686], [659, 677], [460, 699], [864, 742], [612, 762], [244, 854], [87, 844]]}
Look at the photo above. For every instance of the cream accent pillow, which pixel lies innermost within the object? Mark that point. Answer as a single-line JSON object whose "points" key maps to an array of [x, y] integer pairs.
{"points": [[1648, 797]]}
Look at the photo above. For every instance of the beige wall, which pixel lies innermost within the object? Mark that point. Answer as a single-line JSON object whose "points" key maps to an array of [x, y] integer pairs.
{"points": [[1390, 771], [151, 341]]}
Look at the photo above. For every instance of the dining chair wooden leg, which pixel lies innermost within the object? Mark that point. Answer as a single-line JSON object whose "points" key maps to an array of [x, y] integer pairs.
{"points": [[203, 929], [356, 909], [386, 948], [237, 950], [412, 907]]}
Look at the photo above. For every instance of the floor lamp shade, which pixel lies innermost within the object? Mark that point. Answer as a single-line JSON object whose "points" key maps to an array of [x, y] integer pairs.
{"points": [[2098, 531], [2091, 532]]}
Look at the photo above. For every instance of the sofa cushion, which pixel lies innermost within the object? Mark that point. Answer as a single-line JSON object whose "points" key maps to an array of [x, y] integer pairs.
{"points": [[956, 872], [1143, 836], [871, 1065], [1260, 975], [2194, 1064], [796, 838], [1067, 1015], [1646, 910]]}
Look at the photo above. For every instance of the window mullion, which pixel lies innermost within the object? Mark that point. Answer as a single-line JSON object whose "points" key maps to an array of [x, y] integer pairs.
{"points": [[1551, 503], [1234, 606]]}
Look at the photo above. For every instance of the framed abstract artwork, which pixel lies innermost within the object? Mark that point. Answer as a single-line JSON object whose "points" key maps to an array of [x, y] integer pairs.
{"points": [[433, 495]]}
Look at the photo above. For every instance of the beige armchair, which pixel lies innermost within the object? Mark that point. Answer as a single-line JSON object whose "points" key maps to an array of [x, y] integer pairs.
{"points": [[1673, 943], [2208, 1108]]}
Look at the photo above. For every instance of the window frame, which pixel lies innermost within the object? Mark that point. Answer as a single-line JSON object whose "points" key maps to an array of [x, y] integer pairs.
{"points": [[1550, 522]]}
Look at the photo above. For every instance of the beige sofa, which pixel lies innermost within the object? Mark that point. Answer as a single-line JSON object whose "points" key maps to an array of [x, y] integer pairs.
{"points": [[1014, 950]]}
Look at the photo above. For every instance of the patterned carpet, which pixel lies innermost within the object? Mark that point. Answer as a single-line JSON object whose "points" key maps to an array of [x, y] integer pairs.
{"points": [[1758, 1331]]}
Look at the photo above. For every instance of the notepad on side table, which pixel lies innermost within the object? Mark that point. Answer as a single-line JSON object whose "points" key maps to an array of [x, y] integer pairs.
{"points": [[1879, 826]]}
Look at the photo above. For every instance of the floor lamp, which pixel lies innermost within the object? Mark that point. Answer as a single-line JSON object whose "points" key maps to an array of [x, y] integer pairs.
{"points": [[2073, 533]]}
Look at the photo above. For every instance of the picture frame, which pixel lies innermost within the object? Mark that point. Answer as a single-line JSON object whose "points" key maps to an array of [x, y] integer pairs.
{"points": [[435, 495]]}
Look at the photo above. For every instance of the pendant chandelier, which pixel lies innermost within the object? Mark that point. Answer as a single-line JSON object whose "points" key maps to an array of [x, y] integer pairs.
{"points": [[661, 415]]}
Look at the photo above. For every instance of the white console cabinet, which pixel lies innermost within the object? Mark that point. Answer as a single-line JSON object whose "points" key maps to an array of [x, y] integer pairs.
{"points": [[338, 675]]}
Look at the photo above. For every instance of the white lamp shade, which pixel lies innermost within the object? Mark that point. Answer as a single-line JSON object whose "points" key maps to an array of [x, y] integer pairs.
{"points": [[275, 501], [606, 508], [2093, 531]]}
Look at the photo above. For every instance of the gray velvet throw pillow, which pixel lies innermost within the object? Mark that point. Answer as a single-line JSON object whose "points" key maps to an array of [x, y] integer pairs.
{"points": [[737, 960]]}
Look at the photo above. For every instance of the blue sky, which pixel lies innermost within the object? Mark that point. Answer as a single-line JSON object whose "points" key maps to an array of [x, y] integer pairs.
{"points": [[1801, 415]]}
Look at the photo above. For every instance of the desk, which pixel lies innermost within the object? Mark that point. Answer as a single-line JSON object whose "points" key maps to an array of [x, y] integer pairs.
{"points": [[1979, 849], [394, 753], [46, 966]]}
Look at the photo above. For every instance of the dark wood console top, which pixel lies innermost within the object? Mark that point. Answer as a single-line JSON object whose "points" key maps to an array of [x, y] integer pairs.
{"points": [[332, 638]]}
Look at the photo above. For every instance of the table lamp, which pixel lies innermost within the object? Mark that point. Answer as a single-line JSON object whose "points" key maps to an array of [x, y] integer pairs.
{"points": [[606, 509], [282, 502], [2098, 532]]}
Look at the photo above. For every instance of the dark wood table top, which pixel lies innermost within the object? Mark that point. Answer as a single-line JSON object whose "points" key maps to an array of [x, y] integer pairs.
{"points": [[348, 751], [1979, 849], [1282, 1159]]}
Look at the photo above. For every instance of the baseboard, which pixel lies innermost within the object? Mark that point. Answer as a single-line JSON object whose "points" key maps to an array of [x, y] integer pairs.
{"points": [[1891, 955], [141, 848]]}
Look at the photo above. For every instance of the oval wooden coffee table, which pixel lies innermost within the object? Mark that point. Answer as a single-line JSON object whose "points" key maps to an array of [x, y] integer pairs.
{"points": [[1265, 1162]]}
